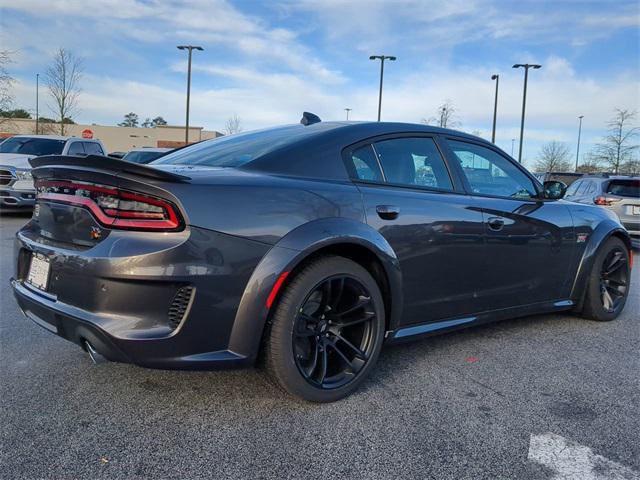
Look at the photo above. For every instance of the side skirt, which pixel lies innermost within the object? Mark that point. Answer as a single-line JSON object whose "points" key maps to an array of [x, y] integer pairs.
{"points": [[433, 328]]}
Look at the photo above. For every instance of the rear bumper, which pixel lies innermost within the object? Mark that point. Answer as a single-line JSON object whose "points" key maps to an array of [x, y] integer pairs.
{"points": [[57, 319], [120, 304]]}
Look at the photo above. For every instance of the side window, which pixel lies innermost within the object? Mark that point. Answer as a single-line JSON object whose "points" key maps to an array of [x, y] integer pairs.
{"points": [[76, 148], [489, 173], [583, 188], [413, 161], [93, 148], [364, 164], [573, 188]]}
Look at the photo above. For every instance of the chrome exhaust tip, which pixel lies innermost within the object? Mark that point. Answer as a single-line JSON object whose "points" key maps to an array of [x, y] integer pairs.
{"points": [[93, 353]]}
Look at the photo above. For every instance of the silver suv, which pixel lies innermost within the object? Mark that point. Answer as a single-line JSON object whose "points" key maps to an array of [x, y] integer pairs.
{"points": [[17, 192], [620, 194]]}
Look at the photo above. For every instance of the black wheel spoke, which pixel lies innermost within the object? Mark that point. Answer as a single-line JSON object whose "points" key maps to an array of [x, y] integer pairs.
{"points": [[614, 266], [344, 358], [355, 321], [323, 365], [314, 362], [357, 351], [361, 303]]}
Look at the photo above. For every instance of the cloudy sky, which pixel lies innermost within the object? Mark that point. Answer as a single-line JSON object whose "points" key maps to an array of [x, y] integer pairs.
{"points": [[267, 61]]}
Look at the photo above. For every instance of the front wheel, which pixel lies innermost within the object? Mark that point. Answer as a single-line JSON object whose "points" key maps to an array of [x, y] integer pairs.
{"points": [[608, 285], [326, 331]]}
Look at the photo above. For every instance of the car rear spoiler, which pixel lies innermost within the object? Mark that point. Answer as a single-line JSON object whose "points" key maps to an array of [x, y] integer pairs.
{"points": [[113, 165]]}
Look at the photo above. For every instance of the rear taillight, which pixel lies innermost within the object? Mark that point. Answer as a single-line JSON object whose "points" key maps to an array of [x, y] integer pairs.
{"points": [[113, 207], [605, 201]]}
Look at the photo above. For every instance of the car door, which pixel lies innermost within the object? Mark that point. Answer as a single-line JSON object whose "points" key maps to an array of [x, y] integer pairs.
{"points": [[529, 240], [419, 207]]}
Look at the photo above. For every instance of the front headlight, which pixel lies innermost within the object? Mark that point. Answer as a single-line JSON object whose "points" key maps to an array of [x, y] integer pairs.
{"points": [[23, 174]]}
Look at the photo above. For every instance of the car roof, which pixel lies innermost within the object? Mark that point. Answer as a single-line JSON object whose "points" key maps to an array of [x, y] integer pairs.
{"points": [[611, 177], [57, 137], [150, 149]]}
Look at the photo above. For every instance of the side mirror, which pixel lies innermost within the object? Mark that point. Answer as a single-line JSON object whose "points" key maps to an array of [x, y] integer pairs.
{"points": [[554, 190]]}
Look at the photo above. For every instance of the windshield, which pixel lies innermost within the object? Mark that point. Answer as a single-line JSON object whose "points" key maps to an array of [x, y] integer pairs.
{"points": [[233, 150], [32, 146], [624, 188], [142, 157]]}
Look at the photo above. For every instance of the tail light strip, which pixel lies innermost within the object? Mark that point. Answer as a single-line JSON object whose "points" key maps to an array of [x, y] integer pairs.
{"points": [[159, 215]]}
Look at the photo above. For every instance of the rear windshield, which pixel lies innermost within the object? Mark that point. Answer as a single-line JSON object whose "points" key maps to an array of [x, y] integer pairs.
{"points": [[624, 188], [32, 146], [232, 150], [142, 157]]}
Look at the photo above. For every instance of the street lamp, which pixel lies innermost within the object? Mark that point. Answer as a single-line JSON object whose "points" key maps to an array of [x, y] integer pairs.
{"points": [[190, 48], [526, 67], [37, 102], [348, 110], [578, 148], [495, 108], [382, 58]]}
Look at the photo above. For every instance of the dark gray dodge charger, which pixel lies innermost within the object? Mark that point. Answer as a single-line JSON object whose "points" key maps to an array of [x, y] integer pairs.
{"points": [[304, 248]]}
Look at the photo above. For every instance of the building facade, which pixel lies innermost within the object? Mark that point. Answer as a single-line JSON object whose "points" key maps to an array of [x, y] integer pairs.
{"points": [[115, 139]]}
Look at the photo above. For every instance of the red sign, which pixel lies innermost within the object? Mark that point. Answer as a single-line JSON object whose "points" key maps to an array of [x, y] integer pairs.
{"points": [[87, 133]]}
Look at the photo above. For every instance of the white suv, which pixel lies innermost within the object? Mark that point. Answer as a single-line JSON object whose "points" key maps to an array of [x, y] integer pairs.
{"points": [[16, 184]]}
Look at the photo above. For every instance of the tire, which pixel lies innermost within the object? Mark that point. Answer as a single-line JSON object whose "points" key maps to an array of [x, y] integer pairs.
{"points": [[326, 331], [613, 254]]}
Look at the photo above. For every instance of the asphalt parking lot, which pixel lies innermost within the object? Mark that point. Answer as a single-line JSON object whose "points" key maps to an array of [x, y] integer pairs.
{"points": [[540, 397]]}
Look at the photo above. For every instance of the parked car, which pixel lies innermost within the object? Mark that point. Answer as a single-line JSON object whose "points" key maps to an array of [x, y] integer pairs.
{"points": [[117, 154], [618, 193], [17, 192], [145, 154], [307, 247], [565, 177]]}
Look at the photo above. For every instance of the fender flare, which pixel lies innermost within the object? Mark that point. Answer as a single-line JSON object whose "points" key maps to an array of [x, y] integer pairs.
{"points": [[288, 253], [598, 237]]}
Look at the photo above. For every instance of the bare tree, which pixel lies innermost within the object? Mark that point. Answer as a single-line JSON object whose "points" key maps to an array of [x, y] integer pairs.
{"points": [[233, 125], [618, 147], [445, 116], [6, 83], [63, 79], [554, 156]]}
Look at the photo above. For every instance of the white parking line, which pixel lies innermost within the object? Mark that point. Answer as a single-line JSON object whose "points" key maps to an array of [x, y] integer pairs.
{"points": [[571, 461]]}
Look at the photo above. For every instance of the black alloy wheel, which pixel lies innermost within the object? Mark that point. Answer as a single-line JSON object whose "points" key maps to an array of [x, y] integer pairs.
{"points": [[608, 285], [614, 279], [326, 330], [333, 332]]}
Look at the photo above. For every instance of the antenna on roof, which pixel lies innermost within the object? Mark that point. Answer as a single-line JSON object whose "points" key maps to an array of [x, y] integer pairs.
{"points": [[309, 118]]}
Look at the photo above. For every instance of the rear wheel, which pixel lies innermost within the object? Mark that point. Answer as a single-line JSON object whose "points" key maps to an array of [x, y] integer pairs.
{"points": [[327, 330], [608, 284]]}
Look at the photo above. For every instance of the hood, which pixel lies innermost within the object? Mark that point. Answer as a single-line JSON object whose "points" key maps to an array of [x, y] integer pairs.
{"points": [[16, 160]]}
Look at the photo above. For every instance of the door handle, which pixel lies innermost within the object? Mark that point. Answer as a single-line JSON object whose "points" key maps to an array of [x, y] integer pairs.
{"points": [[495, 223], [388, 212]]}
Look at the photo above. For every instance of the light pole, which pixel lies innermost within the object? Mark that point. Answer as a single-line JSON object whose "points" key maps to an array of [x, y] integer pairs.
{"points": [[526, 67], [578, 148], [382, 58], [513, 140], [495, 108], [348, 110], [37, 101], [190, 48]]}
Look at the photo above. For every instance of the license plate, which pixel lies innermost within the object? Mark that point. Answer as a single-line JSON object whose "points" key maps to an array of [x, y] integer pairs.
{"points": [[636, 210], [39, 271]]}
